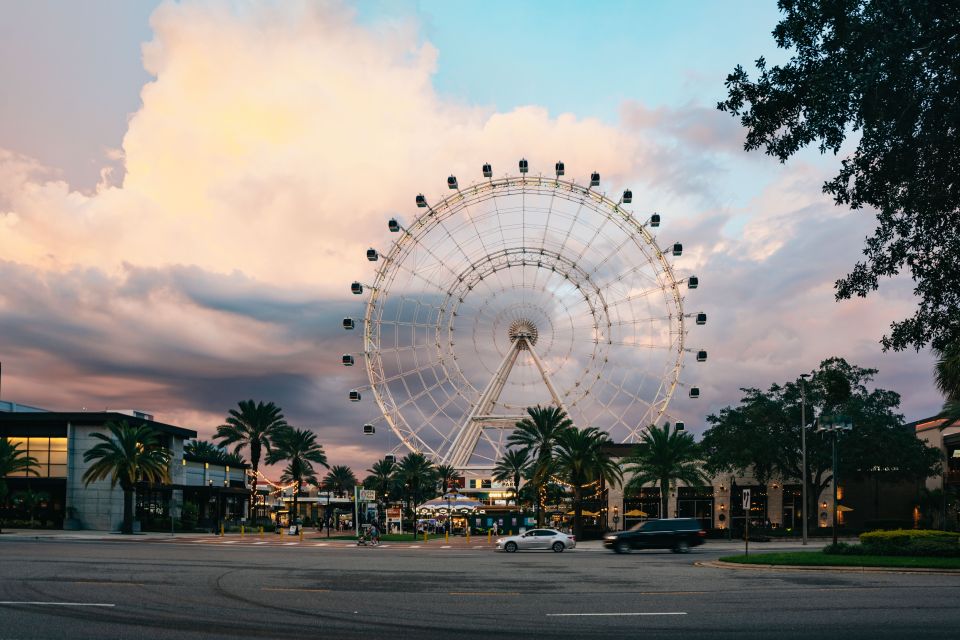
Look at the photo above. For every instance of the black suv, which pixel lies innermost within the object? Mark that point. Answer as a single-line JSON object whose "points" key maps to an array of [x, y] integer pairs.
{"points": [[676, 534]]}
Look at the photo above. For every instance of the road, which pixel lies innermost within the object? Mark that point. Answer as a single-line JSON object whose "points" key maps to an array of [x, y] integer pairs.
{"points": [[192, 589]]}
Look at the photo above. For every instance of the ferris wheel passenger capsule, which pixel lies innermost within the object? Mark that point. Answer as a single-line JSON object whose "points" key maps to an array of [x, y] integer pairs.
{"points": [[524, 167], [354, 395], [594, 179], [487, 171], [421, 201], [348, 323], [372, 255], [693, 282], [679, 426], [452, 182], [701, 356], [627, 196], [347, 360], [356, 288], [655, 220], [390, 458], [368, 430], [701, 318], [393, 225], [559, 168], [677, 248], [694, 392]]}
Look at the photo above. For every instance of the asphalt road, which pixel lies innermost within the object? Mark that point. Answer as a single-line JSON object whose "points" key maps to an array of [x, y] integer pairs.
{"points": [[104, 589]]}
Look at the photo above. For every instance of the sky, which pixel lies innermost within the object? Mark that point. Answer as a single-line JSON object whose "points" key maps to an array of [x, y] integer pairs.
{"points": [[188, 188]]}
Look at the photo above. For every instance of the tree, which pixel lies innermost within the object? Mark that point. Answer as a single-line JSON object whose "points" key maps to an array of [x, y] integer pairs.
{"points": [[664, 457], [538, 434], [886, 71], [414, 472], [252, 426], [948, 379], [447, 475], [511, 468], [129, 453], [340, 479], [300, 448], [877, 448], [381, 480], [583, 460], [204, 451], [13, 460]]}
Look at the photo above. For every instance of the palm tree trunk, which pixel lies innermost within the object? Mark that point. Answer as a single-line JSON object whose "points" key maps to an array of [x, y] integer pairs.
{"points": [[127, 511], [296, 493], [577, 513], [664, 497]]}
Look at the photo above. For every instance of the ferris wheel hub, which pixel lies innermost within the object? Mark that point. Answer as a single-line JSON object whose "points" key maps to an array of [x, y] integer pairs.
{"points": [[524, 329]]}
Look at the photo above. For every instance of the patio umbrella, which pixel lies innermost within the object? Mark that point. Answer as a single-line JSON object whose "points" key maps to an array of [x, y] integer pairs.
{"points": [[843, 508], [636, 513]]}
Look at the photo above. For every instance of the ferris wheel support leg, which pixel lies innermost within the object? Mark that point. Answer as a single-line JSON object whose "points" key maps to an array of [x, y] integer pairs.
{"points": [[466, 441], [546, 379]]}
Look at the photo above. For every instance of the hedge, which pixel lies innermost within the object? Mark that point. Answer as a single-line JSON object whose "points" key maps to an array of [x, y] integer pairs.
{"points": [[902, 536]]}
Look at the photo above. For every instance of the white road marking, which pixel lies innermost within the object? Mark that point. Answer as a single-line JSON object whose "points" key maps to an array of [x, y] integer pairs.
{"points": [[321, 544], [384, 546], [651, 613], [445, 546], [287, 544], [260, 543], [414, 546], [230, 541], [63, 604]]}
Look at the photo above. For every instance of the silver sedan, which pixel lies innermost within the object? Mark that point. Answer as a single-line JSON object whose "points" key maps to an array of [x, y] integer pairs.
{"points": [[537, 539]]}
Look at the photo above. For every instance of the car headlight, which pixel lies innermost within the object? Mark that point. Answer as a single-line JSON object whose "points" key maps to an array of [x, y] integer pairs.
{"points": [[610, 538]]}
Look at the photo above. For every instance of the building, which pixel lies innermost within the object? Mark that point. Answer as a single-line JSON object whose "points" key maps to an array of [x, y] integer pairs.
{"points": [[59, 440]]}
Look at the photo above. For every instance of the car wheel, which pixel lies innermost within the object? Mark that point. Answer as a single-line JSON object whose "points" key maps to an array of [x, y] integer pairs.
{"points": [[682, 547], [510, 547], [622, 547], [558, 547]]}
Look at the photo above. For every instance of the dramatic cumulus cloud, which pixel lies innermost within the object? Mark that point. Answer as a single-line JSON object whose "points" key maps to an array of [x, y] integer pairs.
{"points": [[269, 150]]}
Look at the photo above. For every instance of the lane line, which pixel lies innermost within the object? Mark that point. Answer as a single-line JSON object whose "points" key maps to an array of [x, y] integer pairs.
{"points": [[484, 593], [295, 589], [62, 604], [261, 543], [322, 544], [651, 613], [445, 547], [288, 544]]}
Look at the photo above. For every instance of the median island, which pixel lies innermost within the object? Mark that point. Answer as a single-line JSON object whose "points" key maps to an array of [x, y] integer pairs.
{"points": [[912, 549]]}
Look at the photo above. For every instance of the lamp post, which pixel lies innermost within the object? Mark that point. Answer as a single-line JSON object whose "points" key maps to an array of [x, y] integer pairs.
{"points": [[803, 444], [834, 425], [616, 516]]}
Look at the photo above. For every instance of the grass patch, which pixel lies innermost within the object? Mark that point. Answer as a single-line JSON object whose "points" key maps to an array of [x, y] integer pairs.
{"points": [[819, 559]]}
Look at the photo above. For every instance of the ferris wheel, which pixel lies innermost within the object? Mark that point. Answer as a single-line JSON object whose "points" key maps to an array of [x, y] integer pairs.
{"points": [[516, 291]]}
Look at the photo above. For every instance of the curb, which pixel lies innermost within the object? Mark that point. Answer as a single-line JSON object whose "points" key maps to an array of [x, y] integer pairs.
{"points": [[718, 564]]}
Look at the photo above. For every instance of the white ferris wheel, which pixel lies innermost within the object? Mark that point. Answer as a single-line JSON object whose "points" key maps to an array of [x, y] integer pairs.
{"points": [[516, 291]]}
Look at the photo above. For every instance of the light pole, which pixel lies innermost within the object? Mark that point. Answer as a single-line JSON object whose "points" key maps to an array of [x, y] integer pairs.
{"points": [[834, 425], [803, 444], [616, 516]]}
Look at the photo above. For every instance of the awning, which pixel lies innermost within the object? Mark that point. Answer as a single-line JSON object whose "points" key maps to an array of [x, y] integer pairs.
{"points": [[636, 513], [843, 508]]}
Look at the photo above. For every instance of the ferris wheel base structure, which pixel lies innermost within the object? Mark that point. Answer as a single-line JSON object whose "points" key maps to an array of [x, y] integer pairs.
{"points": [[518, 291]]}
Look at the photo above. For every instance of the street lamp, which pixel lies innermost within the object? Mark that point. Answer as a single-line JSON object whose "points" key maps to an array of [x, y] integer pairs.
{"points": [[834, 425], [803, 441], [616, 517]]}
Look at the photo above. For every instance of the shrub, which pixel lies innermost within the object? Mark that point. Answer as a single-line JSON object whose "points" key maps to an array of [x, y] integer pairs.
{"points": [[188, 516], [901, 536], [875, 525]]}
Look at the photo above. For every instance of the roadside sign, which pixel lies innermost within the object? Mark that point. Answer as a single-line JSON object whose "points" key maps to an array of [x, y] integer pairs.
{"points": [[367, 495], [746, 522], [746, 500]]}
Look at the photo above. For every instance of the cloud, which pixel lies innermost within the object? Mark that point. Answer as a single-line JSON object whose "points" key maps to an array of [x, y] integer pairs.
{"points": [[270, 148]]}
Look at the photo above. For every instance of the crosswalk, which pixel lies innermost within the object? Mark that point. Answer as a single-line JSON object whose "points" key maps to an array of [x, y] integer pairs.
{"points": [[313, 544]]}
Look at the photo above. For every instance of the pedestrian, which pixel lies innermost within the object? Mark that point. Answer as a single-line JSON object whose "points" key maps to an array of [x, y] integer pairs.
{"points": [[495, 530], [374, 535]]}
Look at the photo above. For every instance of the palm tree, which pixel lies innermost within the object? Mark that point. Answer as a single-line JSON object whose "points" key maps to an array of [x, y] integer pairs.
{"points": [[382, 474], [511, 468], [129, 454], [414, 472], [582, 460], [252, 426], [664, 457], [538, 433], [948, 379], [447, 475], [301, 449], [13, 460], [339, 479]]}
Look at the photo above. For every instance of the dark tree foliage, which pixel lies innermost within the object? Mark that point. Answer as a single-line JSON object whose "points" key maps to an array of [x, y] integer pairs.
{"points": [[888, 71], [764, 430]]}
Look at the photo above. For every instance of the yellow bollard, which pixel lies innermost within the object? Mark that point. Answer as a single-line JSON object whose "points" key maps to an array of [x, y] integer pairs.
{"points": [[281, 532], [221, 530], [241, 531], [489, 535], [446, 536], [261, 532], [301, 535], [424, 536]]}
